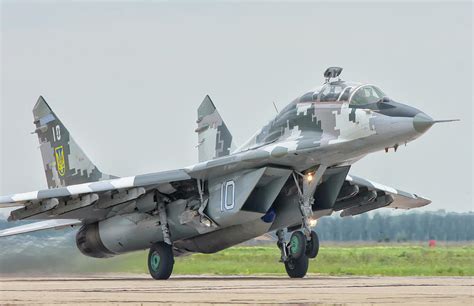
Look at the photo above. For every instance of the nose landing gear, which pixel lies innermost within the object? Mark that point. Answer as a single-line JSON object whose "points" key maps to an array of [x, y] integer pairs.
{"points": [[296, 253], [312, 247], [306, 195], [297, 245], [297, 267]]}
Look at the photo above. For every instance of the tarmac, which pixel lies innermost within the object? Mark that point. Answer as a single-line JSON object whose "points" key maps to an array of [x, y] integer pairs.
{"points": [[139, 289]]}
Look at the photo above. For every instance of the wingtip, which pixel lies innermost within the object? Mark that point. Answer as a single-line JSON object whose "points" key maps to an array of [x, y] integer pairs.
{"points": [[423, 200]]}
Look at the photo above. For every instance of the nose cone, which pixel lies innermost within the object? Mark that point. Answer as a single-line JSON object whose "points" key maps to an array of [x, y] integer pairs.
{"points": [[422, 122]]}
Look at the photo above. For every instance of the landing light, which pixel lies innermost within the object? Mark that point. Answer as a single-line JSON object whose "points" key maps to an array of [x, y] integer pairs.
{"points": [[206, 222], [313, 222], [309, 177]]}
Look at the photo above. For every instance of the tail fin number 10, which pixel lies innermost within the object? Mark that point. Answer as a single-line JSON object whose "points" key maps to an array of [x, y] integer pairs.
{"points": [[56, 133]]}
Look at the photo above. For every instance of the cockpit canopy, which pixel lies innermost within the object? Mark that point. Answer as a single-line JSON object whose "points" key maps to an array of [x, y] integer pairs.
{"points": [[354, 93], [366, 94]]}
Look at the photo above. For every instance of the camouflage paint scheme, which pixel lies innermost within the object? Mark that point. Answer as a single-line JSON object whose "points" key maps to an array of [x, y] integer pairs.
{"points": [[214, 138], [232, 194], [57, 145]]}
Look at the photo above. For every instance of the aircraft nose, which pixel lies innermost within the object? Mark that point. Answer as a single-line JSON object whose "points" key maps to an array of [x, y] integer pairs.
{"points": [[422, 122]]}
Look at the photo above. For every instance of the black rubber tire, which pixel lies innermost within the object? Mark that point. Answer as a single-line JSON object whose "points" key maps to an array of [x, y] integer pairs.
{"points": [[297, 245], [160, 261], [297, 267], [312, 247]]}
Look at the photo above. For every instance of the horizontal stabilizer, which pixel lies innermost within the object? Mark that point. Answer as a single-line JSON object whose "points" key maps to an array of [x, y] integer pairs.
{"points": [[39, 226]]}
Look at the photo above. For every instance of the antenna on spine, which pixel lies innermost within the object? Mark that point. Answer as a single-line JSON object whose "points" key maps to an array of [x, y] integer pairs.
{"points": [[276, 108]]}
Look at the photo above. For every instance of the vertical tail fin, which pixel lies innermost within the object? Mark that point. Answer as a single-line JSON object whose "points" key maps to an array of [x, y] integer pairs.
{"points": [[214, 137], [63, 160]]}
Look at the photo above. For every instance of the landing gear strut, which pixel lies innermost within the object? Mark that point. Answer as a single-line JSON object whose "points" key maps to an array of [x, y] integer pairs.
{"points": [[160, 257], [303, 244], [282, 245], [306, 195]]}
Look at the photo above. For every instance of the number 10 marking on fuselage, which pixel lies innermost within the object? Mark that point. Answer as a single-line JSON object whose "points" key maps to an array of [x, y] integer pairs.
{"points": [[227, 195]]}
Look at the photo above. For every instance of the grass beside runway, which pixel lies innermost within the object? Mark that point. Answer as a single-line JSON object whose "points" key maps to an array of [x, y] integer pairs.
{"points": [[388, 260]]}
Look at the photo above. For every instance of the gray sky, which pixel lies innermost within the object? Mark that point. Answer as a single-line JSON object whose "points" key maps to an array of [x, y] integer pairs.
{"points": [[126, 79]]}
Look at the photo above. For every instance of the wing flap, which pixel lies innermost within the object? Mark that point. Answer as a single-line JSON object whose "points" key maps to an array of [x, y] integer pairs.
{"points": [[39, 226]]}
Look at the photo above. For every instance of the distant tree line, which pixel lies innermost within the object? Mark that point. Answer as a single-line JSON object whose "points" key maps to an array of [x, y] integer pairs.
{"points": [[417, 226]]}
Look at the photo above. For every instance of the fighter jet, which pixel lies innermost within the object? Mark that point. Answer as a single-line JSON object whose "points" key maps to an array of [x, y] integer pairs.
{"points": [[293, 171]]}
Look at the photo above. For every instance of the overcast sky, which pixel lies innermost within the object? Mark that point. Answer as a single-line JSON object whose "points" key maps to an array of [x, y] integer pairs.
{"points": [[126, 79]]}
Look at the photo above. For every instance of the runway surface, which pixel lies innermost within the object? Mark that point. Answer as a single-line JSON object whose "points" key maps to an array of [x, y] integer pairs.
{"points": [[141, 290]]}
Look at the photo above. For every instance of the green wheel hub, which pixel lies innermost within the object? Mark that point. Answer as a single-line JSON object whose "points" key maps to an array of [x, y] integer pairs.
{"points": [[294, 245], [155, 261]]}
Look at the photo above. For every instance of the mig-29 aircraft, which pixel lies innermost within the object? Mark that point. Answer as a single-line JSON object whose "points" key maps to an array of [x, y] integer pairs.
{"points": [[293, 171]]}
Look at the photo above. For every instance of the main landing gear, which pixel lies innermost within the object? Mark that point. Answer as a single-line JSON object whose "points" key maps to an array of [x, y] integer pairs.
{"points": [[160, 257], [160, 260], [296, 253]]}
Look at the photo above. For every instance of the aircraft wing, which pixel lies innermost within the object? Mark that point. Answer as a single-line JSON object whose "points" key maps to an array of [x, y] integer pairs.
{"points": [[38, 226], [369, 195], [74, 204], [143, 180], [402, 199]]}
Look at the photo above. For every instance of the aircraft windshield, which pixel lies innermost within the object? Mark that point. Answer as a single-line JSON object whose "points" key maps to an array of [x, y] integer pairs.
{"points": [[366, 94], [342, 91]]}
